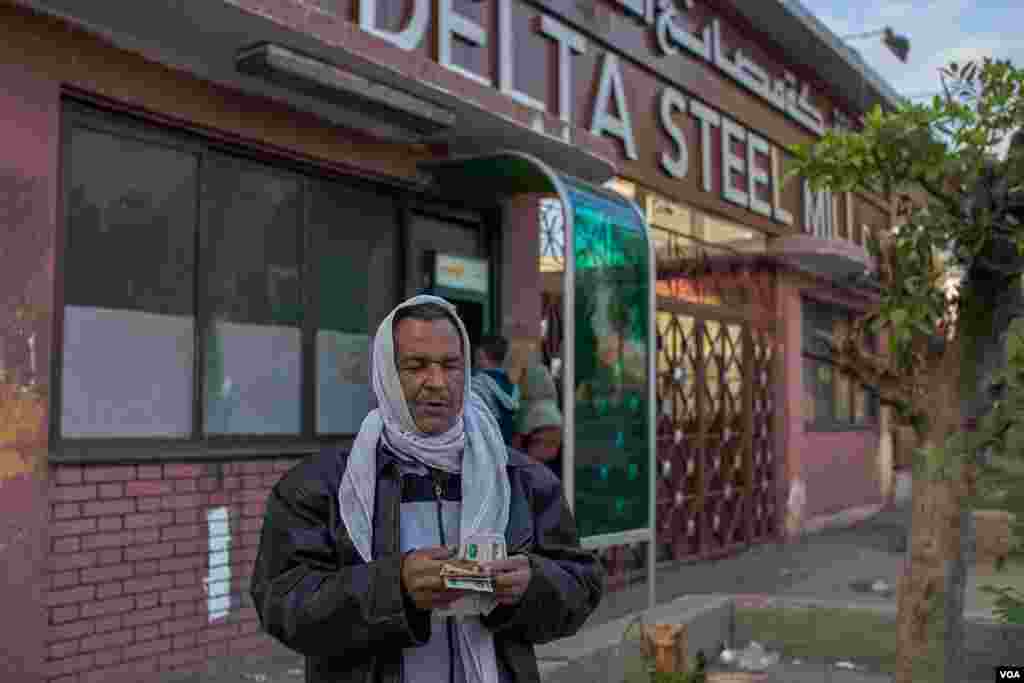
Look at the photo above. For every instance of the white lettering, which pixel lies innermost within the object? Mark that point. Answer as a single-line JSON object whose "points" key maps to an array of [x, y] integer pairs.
{"points": [[603, 121], [780, 214], [804, 112], [635, 7], [450, 24], [218, 577], [409, 37], [568, 42], [757, 176], [708, 117], [785, 93], [670, 36], [732, 161], [506, 60], [817, 211], [672, 101]]}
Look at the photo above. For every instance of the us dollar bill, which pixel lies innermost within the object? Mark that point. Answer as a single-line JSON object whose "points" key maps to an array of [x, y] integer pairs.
{"points": [[490, 548], [469, 584]]}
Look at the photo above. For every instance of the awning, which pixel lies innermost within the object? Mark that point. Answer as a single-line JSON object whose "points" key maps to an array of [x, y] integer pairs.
{"points": [[838, 261]]}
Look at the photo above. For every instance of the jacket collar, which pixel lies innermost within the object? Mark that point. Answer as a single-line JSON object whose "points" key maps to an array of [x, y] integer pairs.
{"points": [[385, 457]]}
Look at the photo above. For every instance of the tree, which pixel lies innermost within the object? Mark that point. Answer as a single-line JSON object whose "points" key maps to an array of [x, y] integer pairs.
{"points": [[956, 199]]}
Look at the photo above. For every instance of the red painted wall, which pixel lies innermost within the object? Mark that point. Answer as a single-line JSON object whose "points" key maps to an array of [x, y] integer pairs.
{"points": [[839, 469], [29, 111]]}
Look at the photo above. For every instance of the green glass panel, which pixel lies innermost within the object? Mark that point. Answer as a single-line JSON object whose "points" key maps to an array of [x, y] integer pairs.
{"points": [[612, 347]]}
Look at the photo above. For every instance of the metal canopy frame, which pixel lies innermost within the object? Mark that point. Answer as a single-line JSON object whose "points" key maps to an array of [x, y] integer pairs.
{"points": [[475, 176]]}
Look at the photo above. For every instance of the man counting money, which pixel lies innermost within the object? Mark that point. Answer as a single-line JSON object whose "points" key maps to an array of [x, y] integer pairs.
{"points": [[350, 562]]}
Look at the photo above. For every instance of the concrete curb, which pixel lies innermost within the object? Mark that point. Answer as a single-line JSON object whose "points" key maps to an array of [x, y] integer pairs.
{"points": [[881, 605], [602, 655]]}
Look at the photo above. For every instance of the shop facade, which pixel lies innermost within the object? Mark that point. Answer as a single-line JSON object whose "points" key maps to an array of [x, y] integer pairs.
{"points": [[187, 188]]}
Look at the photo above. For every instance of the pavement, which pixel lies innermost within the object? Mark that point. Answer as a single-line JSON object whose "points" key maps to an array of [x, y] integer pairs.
{"points": [[836, 567]]}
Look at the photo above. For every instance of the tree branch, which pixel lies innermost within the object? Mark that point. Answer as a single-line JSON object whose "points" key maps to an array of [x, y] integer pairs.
{"points": [[869, 369], [944, 198]]}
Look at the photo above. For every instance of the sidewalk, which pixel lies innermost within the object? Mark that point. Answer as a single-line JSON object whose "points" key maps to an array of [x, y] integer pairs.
{"points": [[836, 566]]}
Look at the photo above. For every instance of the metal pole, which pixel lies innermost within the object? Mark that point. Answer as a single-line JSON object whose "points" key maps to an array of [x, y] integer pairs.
{"points": [[652, 431], [569, 352]]}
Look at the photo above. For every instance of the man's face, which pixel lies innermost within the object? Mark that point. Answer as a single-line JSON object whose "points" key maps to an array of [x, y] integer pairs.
{"points": [[432, 371]]}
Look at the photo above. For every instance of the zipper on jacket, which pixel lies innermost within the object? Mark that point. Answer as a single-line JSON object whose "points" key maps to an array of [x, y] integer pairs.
{"points": [[449, 621], [397, 514]]}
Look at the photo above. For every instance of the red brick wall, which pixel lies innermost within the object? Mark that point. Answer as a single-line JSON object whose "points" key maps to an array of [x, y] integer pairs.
{"points": [[129, 555]]}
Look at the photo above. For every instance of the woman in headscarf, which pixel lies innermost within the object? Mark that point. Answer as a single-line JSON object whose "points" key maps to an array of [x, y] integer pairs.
{"points": [[348, 570]]}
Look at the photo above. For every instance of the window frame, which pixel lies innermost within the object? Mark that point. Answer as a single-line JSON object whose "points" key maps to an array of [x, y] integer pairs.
{"points": [[872, 406], [83, 113]]}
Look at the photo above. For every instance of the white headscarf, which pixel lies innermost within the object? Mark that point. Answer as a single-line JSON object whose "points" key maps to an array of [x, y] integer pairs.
{"points": [[473, 447]]}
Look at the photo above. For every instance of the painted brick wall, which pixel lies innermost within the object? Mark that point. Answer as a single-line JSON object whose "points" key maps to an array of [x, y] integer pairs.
{"points": [[133, 549]]}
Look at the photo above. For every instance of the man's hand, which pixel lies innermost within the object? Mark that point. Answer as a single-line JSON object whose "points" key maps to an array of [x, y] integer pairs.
{"points": [[421, 578], [511, 577]]}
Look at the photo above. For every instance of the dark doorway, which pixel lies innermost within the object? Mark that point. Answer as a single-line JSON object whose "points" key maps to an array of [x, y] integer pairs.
{"points": [[472, 314], [432, 236]]}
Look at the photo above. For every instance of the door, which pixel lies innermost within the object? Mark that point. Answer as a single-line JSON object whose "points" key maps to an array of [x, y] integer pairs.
{"points": [[462, 236]]}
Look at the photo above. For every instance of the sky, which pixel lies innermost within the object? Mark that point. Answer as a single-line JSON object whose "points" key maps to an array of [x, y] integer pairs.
{"points": [[940, 32]]}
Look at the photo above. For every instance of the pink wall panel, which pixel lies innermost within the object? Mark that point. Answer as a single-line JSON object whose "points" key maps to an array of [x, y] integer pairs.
{"points": [[29, 117]]}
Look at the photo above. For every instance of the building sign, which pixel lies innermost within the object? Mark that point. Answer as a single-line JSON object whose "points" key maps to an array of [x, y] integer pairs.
{"points": [[783, 91], [456, 272], [684, 135]]}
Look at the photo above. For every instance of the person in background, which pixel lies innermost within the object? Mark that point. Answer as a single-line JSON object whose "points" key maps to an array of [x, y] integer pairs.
{"points": [[539, 427], [492, 383]]}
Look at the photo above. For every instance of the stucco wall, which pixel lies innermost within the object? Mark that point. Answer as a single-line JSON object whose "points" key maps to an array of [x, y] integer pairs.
{"points": [[838, 469], [521, 285], [29, 111], [61, 56]]}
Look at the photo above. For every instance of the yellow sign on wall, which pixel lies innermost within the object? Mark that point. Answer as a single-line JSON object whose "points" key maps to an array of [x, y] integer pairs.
{"points": [[457, 272]]}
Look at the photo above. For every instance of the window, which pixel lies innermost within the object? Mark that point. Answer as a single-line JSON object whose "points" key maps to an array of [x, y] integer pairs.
{"points": [[832, 399], [347, 320], [193, 308], [129, 282], [253, 366]]}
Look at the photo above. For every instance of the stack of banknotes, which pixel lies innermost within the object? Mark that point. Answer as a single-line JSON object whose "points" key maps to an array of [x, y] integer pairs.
{"points": [[466, 573]]}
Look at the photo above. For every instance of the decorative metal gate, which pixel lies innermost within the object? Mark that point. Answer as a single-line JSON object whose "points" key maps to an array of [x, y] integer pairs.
{"points": [[718, 470], [717, 489], [717, 467]]}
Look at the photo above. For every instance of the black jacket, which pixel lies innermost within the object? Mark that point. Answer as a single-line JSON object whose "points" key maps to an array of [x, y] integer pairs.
{"points": [[315, 594]]}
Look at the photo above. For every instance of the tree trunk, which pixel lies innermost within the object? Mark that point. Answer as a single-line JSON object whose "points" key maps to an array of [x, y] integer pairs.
{"points": [[997, 300], [933, 547]]}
